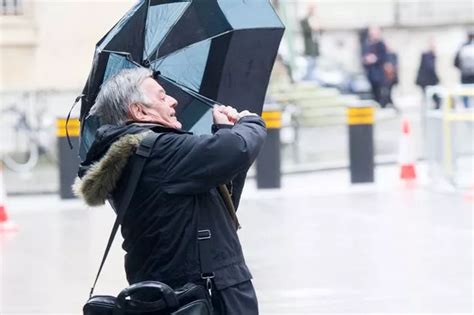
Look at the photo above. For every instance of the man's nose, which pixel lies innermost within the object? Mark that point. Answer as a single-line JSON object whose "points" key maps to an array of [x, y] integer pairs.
{"points": [[173, 102]]}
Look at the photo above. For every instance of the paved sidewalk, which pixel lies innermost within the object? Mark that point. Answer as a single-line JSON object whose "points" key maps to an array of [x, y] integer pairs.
{"points": [[317, 246]]}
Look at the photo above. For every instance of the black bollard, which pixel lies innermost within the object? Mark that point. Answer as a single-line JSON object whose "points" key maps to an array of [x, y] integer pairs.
{"points": [[360, 121], [268, 161], [68, 158]]}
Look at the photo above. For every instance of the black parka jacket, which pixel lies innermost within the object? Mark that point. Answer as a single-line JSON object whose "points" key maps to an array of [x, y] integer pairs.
{"points": [[178, 184], [427, 71]]}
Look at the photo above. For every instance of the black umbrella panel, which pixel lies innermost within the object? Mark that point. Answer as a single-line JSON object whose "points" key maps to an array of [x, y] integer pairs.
{"points": [[223, 50]]}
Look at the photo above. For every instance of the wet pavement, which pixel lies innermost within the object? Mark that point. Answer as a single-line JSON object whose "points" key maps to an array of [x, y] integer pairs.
{"points": [[318, 245]]}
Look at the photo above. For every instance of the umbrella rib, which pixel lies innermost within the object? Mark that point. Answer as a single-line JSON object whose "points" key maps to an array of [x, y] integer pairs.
{"points": [[125, 53], [146, 29], [207, 101]]}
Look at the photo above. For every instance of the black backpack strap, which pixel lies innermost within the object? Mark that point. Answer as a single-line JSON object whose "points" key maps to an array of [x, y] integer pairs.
{"points": [[138, 162]]}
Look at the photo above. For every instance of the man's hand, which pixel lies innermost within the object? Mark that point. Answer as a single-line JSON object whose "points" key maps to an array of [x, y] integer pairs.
{"points": [[227, 115], [224, 115], [246, 113], [370, 59]]}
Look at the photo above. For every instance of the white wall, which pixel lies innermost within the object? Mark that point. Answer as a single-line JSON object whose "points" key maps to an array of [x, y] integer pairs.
{"points": [[60, 37], [68, 32]]}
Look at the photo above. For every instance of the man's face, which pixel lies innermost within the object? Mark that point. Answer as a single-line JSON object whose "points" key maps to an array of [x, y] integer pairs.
{"points": [[161, 108], [375, 33]]}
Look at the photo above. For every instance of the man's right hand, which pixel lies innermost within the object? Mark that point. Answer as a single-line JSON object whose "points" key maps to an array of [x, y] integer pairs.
{"points": [[227, 115]]}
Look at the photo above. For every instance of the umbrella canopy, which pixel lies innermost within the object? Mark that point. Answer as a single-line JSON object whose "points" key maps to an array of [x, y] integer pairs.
{"points": [[202, 51]]}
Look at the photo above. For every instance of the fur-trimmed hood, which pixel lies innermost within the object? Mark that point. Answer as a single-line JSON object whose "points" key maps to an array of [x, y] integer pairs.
{"points": [[102, 176], [107, 157]]}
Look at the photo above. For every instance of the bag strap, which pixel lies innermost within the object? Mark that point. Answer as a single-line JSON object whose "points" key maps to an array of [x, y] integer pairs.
{"points": [[138, 162], [204, 237], [205, 244], [229, 205]]}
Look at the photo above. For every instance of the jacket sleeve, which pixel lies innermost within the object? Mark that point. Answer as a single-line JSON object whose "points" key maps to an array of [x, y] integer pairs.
{"points": [[199, 163], [236, 185]]}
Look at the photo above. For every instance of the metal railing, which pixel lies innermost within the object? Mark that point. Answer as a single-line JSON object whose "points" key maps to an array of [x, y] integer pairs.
{"points": [[448, 132]]}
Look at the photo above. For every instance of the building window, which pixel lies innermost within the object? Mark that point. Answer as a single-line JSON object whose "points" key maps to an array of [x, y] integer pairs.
{"points": [[11, 7]]}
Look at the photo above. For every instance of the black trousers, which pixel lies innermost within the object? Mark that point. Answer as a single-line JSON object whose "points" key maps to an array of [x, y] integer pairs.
{"points": [[377, 92], [239, 299]]}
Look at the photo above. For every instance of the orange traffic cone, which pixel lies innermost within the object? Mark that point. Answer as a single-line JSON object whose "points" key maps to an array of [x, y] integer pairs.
{"points": [[469, 194], [407, 156], [5, 223]]}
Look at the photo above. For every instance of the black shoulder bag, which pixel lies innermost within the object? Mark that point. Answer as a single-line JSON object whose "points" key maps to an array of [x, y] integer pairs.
{"points": [[191, 299]]}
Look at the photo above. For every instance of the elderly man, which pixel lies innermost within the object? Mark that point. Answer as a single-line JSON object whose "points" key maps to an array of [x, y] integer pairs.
{"points": [[178, 184]]}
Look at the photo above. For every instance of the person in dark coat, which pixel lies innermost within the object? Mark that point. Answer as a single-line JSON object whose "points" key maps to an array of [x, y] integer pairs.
{"points": [[374, 57], [310, 32], [391, 77], [464, 61], [427, 74], [427, 70], [179, 183]]}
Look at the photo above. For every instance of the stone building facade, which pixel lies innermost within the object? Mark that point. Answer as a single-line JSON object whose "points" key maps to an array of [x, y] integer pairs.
{"points": [[47, 45]]}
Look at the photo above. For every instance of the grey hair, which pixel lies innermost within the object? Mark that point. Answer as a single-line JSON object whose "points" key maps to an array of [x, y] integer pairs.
{"points": [[117, 93]]}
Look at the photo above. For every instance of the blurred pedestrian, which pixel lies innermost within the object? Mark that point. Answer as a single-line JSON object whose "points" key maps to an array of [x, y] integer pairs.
{"points": [[464, 61], [178, 189], [427, 74], [374, 57], [391, 77], [310, 30]]}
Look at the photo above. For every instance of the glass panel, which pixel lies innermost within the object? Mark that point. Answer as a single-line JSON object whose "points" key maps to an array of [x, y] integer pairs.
{"points": [[160, 19], [250, 14]]}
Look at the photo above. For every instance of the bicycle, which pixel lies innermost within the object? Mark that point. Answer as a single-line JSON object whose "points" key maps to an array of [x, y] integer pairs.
{"points": [[24, 140]]}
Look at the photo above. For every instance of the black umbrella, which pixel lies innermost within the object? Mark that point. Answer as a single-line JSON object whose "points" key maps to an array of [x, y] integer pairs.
{"points": [[203, 51]]}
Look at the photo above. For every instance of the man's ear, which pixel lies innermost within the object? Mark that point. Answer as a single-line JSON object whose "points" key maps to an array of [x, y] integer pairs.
{"points": [[135, 112]]}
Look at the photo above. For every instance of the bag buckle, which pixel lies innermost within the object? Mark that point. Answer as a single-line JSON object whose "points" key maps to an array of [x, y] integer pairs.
{"points": [[208, 278], [204, 235], [144, 150]]}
